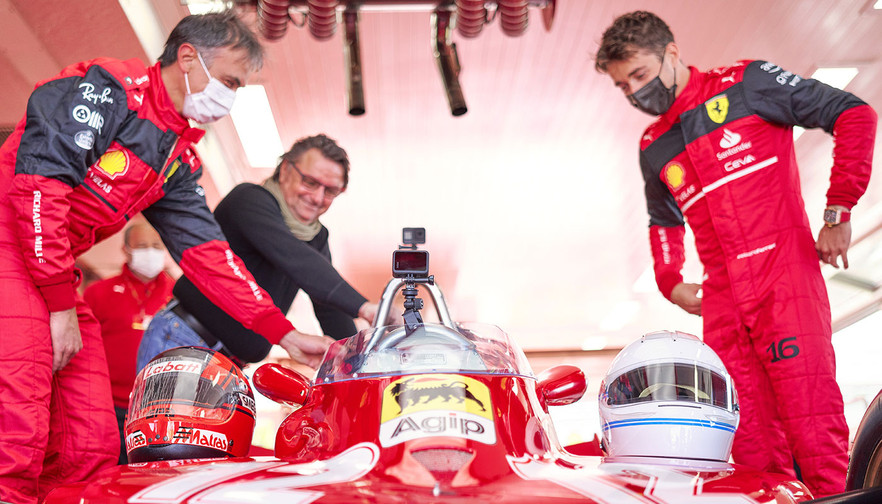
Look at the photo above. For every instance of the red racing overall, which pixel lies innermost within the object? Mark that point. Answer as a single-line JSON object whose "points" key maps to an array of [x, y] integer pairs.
{"points": [[723, 157], [99, 143]]}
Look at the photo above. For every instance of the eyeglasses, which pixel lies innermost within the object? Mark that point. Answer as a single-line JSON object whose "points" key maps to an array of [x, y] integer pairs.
{"points": [[312, 184]]}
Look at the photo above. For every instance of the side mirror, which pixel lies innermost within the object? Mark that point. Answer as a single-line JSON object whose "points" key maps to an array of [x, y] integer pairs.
{"points": [[561, 385], [281, 384]]}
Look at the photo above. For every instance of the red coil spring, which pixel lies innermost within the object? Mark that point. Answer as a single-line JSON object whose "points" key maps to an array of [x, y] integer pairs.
{"points": [[322, 18], [470, 16], [513, 16], [272, 18]]}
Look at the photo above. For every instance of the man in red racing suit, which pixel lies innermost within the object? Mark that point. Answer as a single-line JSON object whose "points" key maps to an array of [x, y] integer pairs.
{"points": [[100, 142], [721, 155]]}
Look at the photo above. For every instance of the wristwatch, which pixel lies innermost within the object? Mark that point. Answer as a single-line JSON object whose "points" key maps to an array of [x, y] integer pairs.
{"points": [[834, 217]]}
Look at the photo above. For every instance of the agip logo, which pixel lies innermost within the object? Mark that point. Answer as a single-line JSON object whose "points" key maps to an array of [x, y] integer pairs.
{"points": [[113, 163], [674, 175], [436, 405], [717, 108]]}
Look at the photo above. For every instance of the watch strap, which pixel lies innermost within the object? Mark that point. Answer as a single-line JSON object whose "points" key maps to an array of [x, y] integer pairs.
{"points": [[835, 216]]}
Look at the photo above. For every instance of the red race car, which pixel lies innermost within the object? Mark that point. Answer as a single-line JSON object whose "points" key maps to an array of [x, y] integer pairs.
{"points": [[433, 412]]}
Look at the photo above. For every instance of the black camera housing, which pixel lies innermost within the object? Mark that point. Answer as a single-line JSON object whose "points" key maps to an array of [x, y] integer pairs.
{"points": [[413, 236], [407, 262]]}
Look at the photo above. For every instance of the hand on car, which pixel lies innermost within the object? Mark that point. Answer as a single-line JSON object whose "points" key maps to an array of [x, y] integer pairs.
{"points": [[368, 311], [66, 340], [307, 349]]}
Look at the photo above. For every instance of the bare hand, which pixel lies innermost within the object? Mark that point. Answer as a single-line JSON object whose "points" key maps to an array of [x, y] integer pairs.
{"points": [[685, 295], [368, 311], [833, 242], [307, 349], [66, 340]]}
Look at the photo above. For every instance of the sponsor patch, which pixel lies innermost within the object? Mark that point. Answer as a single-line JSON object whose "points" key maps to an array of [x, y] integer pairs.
{"points": [[739, 163], [674, 175], [134, 440], [247, 402], [730, 139], [436, 405], [174, 366], [85, 115], [84, 139], [200, 437], [89, 94], [113, 163], [732, 144], [38, 226], [717, 108]]}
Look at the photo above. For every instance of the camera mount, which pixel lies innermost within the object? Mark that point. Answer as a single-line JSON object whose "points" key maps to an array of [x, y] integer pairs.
{"points": [[413, 304]]}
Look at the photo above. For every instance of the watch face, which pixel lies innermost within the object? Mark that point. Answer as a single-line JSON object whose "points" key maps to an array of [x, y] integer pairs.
{"points": [[831, 216]]}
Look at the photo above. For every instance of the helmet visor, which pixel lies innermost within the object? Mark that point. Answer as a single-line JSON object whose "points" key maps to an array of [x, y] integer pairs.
{"points": [[671, 382], [186, 387]]}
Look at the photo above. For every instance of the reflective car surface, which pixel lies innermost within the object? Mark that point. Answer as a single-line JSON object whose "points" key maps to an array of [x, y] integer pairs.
{"points": [[428, 412]]}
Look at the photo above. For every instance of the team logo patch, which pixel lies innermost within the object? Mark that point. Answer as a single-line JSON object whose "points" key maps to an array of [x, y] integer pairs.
{"points": [[717, 108], [436, 405], [674, 175], [113, 163]]}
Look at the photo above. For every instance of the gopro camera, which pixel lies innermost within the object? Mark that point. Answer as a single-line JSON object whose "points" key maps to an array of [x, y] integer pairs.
{"points": [[413, 236], [407, 261], [410, 262]]}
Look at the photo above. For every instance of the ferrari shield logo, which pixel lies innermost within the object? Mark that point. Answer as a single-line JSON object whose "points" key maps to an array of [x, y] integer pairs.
{"points": [[717, 108]]}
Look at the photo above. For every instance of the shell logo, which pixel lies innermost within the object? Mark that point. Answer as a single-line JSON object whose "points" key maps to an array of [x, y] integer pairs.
{"points": [[113, 163], [674, 176]]}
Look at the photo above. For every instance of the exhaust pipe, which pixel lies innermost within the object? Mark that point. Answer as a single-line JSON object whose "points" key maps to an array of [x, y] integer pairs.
{"points": [[448, 61], [352, 61]]}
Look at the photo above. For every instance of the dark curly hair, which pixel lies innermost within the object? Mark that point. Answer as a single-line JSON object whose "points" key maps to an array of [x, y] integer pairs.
{"points": [[630, 33]]}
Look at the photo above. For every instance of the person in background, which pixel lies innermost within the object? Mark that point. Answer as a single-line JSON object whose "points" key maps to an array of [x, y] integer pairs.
{"points": [[124, 305], [275, 229], [100, 142], [720, 155]]}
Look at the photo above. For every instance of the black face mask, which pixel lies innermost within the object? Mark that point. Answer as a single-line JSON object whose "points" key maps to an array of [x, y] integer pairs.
{"points": [[654, 98]]}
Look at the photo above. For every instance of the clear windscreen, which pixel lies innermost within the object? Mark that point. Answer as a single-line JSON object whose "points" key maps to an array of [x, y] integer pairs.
{"points": [[429, 348], [670, 382]]}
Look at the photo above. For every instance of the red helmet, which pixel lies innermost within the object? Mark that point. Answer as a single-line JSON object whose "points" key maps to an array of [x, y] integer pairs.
{"points": [[189, 402]]}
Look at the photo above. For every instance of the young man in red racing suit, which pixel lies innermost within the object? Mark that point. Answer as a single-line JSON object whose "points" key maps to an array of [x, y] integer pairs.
{"points": [[721, 155], [100, 142]]}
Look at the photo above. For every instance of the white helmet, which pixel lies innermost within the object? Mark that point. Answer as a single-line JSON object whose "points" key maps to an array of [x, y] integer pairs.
{"points": [[668, 395]]}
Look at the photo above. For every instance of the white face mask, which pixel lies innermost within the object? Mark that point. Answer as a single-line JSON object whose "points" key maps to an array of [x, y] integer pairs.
{"points": [[147, 262], [210, 104]]}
